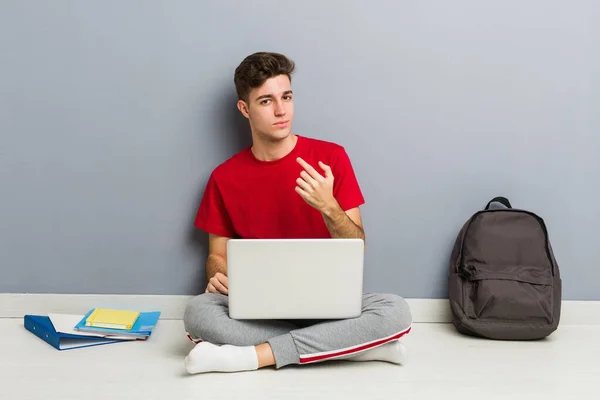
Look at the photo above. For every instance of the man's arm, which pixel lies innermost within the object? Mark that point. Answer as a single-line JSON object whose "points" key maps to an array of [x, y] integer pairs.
{"points": [[216, 264], [345, 225], [317, 190]]}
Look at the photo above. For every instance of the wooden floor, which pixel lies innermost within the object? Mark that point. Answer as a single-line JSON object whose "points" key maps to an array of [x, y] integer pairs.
{"points": [[440, 365]]}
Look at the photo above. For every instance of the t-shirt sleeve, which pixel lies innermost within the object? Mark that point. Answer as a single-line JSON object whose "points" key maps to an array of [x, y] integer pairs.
{"points": [[212, 215], [345, 185]]}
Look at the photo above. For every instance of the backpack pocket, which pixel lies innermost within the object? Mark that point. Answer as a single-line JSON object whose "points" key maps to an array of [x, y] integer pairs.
{"points": [[515, 293]]}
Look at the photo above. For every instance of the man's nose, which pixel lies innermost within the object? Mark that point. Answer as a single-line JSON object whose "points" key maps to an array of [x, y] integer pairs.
{"points": [[279, 108]]}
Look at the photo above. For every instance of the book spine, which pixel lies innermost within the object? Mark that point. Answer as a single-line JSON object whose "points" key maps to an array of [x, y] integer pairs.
{"points": [[48, 337]]}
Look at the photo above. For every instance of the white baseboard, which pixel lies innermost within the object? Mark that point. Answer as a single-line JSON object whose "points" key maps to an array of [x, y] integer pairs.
{"points": [[16, 305]]}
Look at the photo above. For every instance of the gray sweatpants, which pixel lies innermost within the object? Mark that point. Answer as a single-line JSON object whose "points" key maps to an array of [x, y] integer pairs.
{"points": [[385, 317]]}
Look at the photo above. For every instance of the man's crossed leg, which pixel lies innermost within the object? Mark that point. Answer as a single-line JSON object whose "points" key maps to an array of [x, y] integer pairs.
{"points": [[227, 345]]}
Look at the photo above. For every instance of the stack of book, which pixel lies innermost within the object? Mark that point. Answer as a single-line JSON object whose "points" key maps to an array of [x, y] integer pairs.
{"points": [[98, 326], [118, 323]]}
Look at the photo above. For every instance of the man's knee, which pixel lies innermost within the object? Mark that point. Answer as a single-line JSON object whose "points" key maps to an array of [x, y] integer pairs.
{"points": [[200, 314], [396, 314]]}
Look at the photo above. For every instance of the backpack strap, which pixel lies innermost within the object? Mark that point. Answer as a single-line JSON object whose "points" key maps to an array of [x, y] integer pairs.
{"points": [[502, 200]]}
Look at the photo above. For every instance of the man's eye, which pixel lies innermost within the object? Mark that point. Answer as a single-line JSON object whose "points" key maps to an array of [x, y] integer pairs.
{"points": [[264, 102], [287, 97]]}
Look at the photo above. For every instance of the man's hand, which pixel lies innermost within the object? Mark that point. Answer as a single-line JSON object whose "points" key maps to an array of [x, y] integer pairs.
{"points": [[218, 284], [316, 189]]}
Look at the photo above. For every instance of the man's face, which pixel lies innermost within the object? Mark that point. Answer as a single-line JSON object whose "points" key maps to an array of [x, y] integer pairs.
{"points": [[270, 108]]}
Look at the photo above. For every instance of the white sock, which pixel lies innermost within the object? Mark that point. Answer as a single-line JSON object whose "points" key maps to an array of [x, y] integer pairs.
{"points": [[392, 352], [207, 357]]}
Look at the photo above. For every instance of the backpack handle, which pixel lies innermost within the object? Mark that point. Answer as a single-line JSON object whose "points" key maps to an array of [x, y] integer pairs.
{"points": [[502, 200]]}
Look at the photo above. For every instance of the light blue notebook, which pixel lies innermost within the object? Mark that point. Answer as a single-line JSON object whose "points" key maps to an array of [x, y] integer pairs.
{"points": [[141, 329]]}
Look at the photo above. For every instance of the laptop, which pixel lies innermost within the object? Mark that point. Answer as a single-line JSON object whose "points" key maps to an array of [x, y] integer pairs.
{"points": [[295, 279]]}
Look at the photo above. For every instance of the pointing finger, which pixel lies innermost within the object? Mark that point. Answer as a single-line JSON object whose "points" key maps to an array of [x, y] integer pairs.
{"points": [[313, 172]]}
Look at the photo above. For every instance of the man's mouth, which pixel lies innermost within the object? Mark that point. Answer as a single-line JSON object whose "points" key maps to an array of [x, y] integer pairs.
{"points": [[281, 124]]}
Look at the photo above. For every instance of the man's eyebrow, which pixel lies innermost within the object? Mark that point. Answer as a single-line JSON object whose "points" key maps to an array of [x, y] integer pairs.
{"points": [[265, 96], [270, 96]]}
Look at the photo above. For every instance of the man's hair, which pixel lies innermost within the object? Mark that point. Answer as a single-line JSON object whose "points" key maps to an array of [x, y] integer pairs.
{"points": [[255, 69]]}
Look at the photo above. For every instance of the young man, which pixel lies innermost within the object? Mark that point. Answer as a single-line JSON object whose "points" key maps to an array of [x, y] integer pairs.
{"points": [[283, 186]]}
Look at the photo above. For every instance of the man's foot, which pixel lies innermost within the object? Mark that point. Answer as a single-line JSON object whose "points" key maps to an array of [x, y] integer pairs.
{"points": [[207, 357], [392, 352]]}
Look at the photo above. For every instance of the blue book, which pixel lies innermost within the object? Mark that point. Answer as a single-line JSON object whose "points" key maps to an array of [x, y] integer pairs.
{"points": [[42, 327], [140, 330]]}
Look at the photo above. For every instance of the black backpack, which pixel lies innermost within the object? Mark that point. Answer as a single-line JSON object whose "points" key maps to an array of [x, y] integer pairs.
{"points": [[504, 281]]}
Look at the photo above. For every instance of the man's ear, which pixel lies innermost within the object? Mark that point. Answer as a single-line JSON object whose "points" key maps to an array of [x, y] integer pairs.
{"points": [[243, 107]]}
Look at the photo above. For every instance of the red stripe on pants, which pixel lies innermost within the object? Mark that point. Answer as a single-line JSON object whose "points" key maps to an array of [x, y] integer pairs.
{"points": [[321, 357]]}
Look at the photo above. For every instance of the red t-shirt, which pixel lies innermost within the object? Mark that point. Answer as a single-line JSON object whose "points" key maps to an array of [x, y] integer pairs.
{"points": [[253, 199]]}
